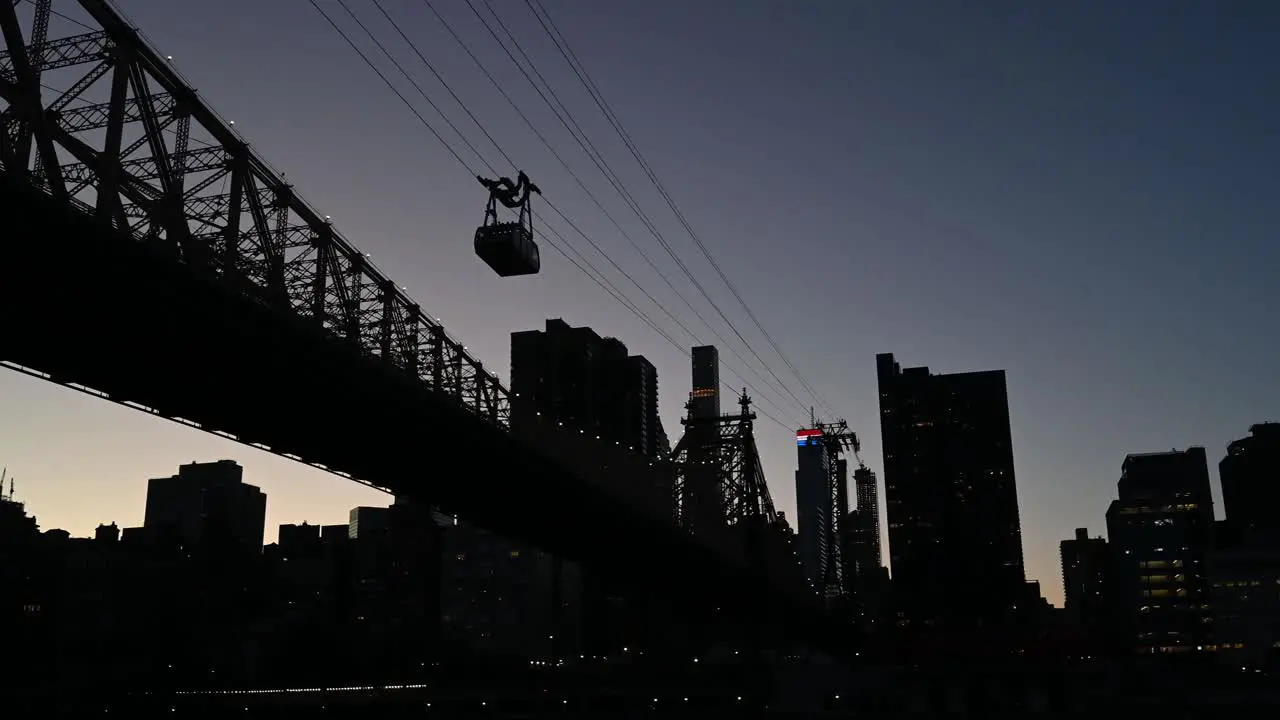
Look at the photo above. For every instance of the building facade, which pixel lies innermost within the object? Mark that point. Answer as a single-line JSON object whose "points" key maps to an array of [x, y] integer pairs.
{"points": [[864, 525], [207, 503], [814, 506], [576, 379], [1160, 528], [1250, 475], [1085, 566], [955, 537]]}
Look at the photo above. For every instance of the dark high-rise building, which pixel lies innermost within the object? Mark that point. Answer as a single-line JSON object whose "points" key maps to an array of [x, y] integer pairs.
{"points": [[367, 522], [573, 377], [1244, 571], [1250, 475], [955, 539], [641, 407], [864, 525], [702, 507], [704, 398], [1084, 577], [207, 503], [814, 511], [1159, 531]]}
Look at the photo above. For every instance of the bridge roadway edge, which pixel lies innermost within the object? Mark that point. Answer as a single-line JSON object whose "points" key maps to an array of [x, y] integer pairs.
{"points": [[102, 310]]}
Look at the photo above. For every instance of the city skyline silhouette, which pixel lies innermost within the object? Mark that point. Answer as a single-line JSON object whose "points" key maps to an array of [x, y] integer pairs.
{"points": [[1123, 285]]}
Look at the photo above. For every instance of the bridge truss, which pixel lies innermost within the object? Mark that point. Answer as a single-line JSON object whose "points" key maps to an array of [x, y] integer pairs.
{"points": [[101, 121], [719, 480]]}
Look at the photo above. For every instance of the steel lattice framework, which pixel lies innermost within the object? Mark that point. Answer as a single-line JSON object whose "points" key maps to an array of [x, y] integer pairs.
{"points": [[127, 141], [723, 448], [837, 437]]}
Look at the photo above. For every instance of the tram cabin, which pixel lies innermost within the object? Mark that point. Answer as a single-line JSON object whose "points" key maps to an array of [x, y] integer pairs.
{"points": [[508, 248]]}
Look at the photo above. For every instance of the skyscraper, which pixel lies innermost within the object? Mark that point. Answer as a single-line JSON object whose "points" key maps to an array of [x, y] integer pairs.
{"points": [[705, 396], [576, 378], [640, 406], [1159, 530], [1250, 475], [955, 538], [1084, 577], [208, 503], [814, 511], [864, 525]]}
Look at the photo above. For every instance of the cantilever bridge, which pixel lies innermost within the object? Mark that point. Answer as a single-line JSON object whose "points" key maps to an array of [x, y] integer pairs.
{"points": [[149, 255]]}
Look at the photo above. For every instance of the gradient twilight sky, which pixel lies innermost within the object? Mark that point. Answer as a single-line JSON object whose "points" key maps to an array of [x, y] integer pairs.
{"points": [[1081, 193]]}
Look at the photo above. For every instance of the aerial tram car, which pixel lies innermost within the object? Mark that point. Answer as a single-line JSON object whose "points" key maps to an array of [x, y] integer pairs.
{"points": [[508, 247]]}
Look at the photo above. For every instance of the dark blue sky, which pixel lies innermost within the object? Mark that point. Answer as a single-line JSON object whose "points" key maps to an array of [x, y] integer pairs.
{"points": [[1080, 193]]}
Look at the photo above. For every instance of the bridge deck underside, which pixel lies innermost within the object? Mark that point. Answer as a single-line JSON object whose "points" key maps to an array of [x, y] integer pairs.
{"points": [[102, 310]]}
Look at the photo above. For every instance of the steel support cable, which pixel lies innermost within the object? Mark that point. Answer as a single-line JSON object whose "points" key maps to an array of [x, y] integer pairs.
{"points": [[439, 78], [573, 174], [453, 152], [390, 85], [598, 277], [593, 90], [378, 43], [612, 290], [480, 155], [484, 130], [590, 194], [631, 203], [626, 195]]}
